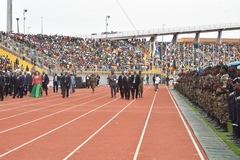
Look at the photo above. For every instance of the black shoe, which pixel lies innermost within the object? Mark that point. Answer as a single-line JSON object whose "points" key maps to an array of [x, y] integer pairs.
{"points": [[230, 135], [234, 138]]}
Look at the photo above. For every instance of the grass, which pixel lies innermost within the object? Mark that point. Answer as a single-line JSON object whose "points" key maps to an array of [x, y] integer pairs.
{"points": [[221, 135]]}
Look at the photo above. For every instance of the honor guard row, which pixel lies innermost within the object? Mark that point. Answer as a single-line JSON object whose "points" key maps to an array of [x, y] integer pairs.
{"points": [[215, 91]]}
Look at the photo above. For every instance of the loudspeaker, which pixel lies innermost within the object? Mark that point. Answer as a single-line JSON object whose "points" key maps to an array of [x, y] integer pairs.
{"points": [[78, 82]]}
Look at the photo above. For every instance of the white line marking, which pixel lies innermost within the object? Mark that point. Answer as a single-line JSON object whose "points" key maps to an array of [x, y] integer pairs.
{"points": [[89, 138], [34, 99], [16, 148], [144, 129], [186, 126], [42, 107], [48, 115]]}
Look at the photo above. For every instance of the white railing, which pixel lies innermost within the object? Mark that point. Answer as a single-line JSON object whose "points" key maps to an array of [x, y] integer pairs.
{"points": [[162, 31]]}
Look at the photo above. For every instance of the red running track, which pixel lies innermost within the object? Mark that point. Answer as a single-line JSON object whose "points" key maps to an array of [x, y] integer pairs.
{"points": [[94, 126]]}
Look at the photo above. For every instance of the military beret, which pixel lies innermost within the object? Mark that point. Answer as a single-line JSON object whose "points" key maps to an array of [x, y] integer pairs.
{"points": [[225, 67], [232, 64]]}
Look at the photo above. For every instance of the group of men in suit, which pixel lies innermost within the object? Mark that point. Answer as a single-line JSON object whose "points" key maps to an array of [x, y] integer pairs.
{"points": [[18, 84], [65, 82], [129, 85]]}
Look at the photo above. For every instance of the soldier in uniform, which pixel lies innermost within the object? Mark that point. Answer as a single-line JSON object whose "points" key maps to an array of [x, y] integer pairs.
{"points": [[232, 71], [235, 117], [93, 82], [147, 79], [216, 77], [223, 113], [140, 92]]}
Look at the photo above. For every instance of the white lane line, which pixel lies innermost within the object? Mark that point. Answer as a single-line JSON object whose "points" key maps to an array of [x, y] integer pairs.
{"points": [[187, 128], [24, 124], [55, 129], [72, 95], [89, 138], [144, 129], [48, 106]]}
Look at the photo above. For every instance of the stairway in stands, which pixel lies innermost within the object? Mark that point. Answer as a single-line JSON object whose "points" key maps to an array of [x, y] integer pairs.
{"points": [[12, 58]]}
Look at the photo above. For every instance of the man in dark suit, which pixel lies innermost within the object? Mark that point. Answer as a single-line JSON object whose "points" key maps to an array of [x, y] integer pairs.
{"points": [[66, 85], [55, 83], [136, 81], [61, 82], [18, 85], [7, 84], [11, 83], [2, 84], [127, 83], [26, 82], [120, 84], [45, 82], [30, 82]]}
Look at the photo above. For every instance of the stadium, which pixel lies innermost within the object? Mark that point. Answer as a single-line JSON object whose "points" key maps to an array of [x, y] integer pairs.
{"points": [[69, 97]]}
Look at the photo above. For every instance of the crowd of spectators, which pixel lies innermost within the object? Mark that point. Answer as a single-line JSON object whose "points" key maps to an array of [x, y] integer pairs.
{"points": [[75, 53], [6, 65], [66, 52]]}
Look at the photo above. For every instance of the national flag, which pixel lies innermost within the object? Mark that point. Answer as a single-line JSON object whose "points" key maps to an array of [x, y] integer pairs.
{"points": [[150, 48], [174, 66], [145, 57], [166, 49]]}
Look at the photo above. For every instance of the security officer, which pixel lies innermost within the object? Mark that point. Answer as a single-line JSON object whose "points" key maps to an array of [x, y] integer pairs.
{"points": [[113, 83]]}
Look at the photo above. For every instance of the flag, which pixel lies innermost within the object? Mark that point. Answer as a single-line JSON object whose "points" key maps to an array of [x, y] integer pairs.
{"points": [[157, 50], [166, 50], [174, 67], [147, 46], [150, 48], [145, 57], [153, 49]]}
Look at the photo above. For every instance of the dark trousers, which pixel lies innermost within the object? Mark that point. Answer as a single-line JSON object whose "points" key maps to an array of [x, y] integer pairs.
{"points": [[121, 91], [232, 110], [25, 89], [127, 93], [135, 91], [65, 90], [1, 93], [45, 88], [6, 90], [87, 84], [113, 91], [10, 89], [17, 90], [55, 87]]}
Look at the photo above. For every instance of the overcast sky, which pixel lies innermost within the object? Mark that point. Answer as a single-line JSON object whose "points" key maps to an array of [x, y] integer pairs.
{"points": [[76, 17]]}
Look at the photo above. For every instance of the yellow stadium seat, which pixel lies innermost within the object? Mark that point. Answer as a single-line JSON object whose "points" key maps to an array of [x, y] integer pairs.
{"points": [[13, 58]]}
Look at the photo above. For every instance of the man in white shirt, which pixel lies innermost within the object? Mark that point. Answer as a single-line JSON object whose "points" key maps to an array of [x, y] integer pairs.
{"points": [[157, 81]]}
